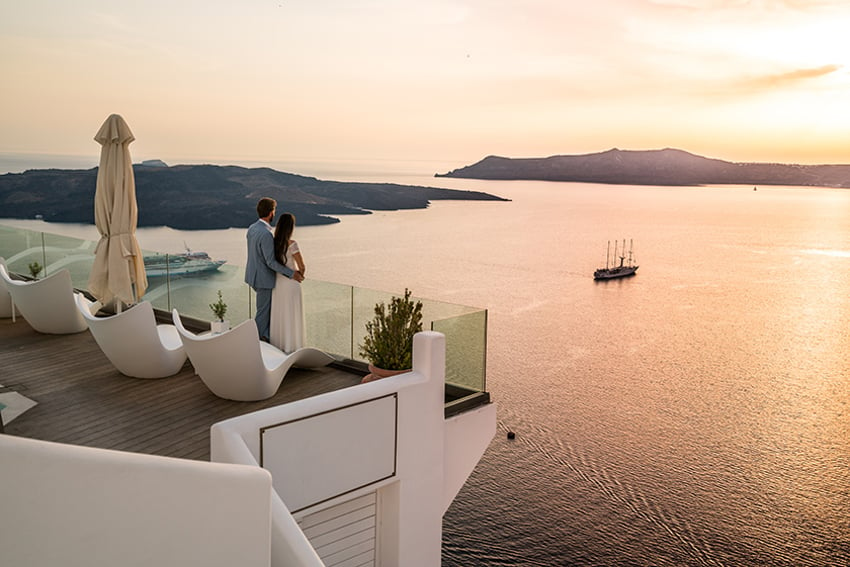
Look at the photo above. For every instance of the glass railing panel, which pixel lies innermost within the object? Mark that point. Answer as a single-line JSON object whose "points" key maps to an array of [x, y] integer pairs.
{"points": [[465, 329], [65, 252], [466, 349], [192, 293], [363, 310], [19, 247], [11, 241], [365, 301], [433, 310], [15, 246], [335, 314], [327, 317]]}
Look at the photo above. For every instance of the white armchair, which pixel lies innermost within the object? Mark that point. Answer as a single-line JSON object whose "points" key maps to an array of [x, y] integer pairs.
{"points": [[236, 365], [48, 304], [134, 343]]}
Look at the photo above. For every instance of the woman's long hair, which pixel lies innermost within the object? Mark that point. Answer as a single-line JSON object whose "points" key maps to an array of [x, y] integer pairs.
{"points": [[282, 233]]}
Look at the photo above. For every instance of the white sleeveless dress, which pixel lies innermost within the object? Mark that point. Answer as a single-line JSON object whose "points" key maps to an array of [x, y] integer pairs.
{"points": [[287, 322]]}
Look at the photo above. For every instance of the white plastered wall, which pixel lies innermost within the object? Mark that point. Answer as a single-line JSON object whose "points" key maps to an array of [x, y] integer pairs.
{"points": [[71, 505]]}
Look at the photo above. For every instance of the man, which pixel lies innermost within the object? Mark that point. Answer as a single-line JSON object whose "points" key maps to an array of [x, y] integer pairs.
{"points": [[262, 266]]}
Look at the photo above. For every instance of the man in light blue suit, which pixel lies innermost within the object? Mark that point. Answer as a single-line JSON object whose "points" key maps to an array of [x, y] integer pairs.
{"points": [[262, 266]]}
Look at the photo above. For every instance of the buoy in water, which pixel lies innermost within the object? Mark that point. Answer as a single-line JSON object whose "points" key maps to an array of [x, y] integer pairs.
{"points": [[511, 435]]}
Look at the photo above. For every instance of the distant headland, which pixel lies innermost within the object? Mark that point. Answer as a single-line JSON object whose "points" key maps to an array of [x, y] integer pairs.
{"points": [[652, 167], [192, 197]]}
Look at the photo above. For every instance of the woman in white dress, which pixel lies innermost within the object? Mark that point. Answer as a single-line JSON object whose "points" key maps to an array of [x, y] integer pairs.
{"points": [[287, 320]]}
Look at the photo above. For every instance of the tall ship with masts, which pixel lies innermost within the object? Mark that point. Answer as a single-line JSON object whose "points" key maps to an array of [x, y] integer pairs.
{"points": [[621, 270]]}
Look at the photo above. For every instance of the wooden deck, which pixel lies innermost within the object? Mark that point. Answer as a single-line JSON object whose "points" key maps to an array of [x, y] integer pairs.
{"points": [[83, 400]]}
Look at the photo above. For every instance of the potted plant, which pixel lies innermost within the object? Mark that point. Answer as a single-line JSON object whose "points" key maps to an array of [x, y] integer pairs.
{"points": [[35, 269], [388, 344], [219, 309]]}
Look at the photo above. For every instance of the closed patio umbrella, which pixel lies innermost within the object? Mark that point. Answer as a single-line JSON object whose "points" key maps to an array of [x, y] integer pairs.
{"points": [[118, 270]]}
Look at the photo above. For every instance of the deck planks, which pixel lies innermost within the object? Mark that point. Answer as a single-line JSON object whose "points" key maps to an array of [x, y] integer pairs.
{"points": [[83, 400]]}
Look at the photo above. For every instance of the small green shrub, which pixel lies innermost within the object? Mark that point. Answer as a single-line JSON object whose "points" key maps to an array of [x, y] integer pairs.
{"points": [[35, 269], [219, 308], [388, 343]]}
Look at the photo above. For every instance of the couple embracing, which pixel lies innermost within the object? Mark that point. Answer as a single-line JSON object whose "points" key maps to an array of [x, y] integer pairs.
{"points": [[275, 270]]}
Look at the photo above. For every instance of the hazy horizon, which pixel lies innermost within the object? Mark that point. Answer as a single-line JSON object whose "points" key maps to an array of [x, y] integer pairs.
{"points": [[14, 162], [449, 81]]}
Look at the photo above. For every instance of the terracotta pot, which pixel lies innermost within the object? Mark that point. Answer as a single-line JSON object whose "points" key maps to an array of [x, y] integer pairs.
{"points": [[377, 373]]}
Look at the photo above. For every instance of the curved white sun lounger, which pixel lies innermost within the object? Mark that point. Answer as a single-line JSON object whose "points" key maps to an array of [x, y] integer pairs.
{"points": [[48, 304], [134, 343], [236, 365]]}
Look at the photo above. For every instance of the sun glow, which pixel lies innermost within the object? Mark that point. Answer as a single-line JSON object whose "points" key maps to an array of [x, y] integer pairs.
{"points": [[761, 80], [811, 44]]}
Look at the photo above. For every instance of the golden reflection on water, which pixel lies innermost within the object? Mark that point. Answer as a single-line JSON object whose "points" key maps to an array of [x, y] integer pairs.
{"points": [[833, 253]]}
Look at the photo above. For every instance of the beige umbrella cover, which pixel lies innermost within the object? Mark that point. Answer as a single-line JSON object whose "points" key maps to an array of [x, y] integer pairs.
{"points": [[118, 269]]}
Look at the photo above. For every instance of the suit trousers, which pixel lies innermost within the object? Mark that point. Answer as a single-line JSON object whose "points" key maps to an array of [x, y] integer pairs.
{"points": [[264, 312]]}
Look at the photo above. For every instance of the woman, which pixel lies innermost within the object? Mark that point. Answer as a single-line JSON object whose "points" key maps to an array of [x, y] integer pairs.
{"points": [[287, 321]]}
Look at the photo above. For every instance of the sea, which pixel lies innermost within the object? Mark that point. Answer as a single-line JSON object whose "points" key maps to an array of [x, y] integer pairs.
{"points": [[695, 414]]}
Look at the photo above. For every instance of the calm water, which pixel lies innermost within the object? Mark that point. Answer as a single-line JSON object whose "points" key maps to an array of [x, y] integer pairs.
{"points": [[696, 414]]}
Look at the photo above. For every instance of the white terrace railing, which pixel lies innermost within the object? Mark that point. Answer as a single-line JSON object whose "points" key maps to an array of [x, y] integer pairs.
{"points": [[335, 314], [362, 476], [358, 476]]}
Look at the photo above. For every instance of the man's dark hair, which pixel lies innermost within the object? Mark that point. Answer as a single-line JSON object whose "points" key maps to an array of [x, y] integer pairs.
{"points": [[265, 206]]}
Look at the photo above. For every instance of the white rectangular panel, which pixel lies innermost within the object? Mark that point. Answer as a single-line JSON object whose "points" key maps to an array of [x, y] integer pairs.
{"points": [[323, 456]]}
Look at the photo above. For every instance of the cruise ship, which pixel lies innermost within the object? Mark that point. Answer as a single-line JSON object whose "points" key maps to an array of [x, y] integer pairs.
{"points": [[185, 263], [108, 470]]}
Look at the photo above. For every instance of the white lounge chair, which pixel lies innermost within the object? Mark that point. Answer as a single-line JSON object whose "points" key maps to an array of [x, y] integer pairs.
{"points": [[48, 304], [134, 343], [236, 365], [7, 308]]}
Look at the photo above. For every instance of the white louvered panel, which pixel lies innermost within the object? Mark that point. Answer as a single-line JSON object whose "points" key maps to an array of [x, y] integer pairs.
{"points": [[362, 554], [344, 535], [308, 520], [347, 535], [340, 521]]}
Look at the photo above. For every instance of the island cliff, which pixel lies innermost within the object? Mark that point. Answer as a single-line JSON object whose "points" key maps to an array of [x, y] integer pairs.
{"points": [[190, 197], [653, 167]]}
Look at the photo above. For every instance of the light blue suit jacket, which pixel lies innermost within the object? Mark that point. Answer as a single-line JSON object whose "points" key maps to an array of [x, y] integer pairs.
{"points": [[261, 267]]}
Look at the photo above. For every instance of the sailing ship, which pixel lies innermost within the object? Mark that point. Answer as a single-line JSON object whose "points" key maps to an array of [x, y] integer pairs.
{"points": [[182, 264], [619, 271]]}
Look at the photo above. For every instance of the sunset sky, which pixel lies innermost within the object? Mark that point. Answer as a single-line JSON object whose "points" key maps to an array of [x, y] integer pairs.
{"points": [[443, 80]]}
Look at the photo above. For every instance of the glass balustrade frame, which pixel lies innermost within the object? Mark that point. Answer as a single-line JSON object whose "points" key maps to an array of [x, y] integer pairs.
{"points": [[335, 314]]}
